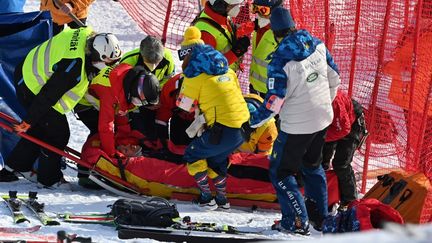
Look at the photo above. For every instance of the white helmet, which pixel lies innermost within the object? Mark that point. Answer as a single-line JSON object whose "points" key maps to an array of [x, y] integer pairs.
{"points": [[106, 47], [230, 2]]}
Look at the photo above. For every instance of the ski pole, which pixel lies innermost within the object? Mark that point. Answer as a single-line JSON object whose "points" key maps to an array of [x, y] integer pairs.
{"points": [[76, 159], [70, 14]]}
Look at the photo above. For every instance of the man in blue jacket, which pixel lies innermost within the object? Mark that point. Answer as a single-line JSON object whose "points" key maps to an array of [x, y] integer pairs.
{"points": [[302, 82]]}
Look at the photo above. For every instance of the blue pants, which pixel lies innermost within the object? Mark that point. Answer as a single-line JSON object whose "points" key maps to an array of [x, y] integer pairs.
{"points": [[293, 154], [216, 155]]}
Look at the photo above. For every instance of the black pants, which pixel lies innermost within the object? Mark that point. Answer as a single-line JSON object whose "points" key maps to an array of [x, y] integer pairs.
{"points": [[177, 132], [343, 151], [53, 129], [90, 117]]}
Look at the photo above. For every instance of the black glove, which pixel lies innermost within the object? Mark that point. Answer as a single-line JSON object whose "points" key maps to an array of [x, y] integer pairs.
{"points": [[240, 46], [162, 133]]}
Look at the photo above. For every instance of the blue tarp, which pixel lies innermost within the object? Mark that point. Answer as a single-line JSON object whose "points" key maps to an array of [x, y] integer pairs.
{"points": [[19, 33]]}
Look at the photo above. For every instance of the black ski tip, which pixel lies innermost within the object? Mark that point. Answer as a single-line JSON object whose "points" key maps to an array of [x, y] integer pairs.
{"points": [[13, 194], [61, 235], [32, 195], [22, 220], [52, 223]]}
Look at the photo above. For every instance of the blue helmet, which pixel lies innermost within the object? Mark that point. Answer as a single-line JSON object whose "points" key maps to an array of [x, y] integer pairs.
{"points": [[270, 3]]}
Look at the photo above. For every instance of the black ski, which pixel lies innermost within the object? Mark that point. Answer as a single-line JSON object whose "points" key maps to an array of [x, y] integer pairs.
{"points": [[14, 205], [177, 235], [38, 209]]}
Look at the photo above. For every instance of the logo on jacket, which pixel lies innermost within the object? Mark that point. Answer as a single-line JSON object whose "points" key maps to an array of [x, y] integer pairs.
{"points": [[74, 41], [223, 78], [312, 77]]}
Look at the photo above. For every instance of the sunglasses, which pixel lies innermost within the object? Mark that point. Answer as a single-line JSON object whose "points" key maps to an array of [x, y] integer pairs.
{"points": [[263, 10]]}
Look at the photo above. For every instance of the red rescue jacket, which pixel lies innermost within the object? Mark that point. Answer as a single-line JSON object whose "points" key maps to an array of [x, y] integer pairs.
{"points": [[343, 118], [113, 108]]}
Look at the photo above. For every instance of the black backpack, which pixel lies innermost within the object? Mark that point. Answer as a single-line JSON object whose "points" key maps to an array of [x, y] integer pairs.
{"points": [[157, 212]]}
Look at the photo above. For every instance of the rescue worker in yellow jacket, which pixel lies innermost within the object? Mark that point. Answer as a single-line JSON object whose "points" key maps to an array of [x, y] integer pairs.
{"points": [[211, 90], [154, 57], [218, 30], [258, 140], [158, 60], [52, 80], [263, 44]]}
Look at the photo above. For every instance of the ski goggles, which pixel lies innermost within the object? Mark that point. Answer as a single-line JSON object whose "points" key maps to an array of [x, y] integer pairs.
{"points": [[182, 53], [263, 10], [142, 101]]}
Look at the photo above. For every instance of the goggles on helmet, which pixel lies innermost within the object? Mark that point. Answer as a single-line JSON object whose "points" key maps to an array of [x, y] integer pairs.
{"points": [[263, 10], [182, 53], [142, 101]]}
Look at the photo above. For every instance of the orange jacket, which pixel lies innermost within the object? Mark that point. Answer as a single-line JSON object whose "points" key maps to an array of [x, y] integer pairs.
{"points": [[80, 9]]}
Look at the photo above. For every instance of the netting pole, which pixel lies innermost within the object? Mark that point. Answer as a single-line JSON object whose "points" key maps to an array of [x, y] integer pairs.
{"points": [[406, 12], [372, 107], [167, 18], [354, 49], [327, 24], [412, 88]]}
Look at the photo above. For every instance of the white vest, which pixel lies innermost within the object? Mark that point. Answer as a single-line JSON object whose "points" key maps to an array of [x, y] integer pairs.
{"points": [[311, 87]]}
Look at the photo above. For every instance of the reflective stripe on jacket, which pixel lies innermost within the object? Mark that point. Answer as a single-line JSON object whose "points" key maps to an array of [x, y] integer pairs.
{"points": [[258, 67], [40, 63]]}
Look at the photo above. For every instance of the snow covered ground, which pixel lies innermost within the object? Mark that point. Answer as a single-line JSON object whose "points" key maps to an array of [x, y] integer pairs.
{"points": [[109, 16]]}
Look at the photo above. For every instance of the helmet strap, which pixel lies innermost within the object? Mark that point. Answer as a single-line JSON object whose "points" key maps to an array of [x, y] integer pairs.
{"points": [[99, 65]]}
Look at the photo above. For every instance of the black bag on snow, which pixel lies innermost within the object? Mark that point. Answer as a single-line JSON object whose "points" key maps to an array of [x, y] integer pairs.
{"points": [[157, 212]]}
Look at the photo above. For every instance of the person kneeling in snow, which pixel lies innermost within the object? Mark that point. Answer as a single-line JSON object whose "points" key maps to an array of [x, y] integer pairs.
{"points": [[114, 93], [52, 80], [212, 91]]}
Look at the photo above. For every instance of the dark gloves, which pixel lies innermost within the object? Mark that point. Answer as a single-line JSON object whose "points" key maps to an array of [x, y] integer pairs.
{"points": [[240, 46]]}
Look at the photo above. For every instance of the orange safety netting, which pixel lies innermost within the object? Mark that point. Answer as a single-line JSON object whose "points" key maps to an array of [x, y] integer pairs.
{"points": [[382, 49]]}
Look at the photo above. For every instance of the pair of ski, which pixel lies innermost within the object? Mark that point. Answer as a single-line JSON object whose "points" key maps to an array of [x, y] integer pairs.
{"points": [[14, 203], [186, 231], [182, 230]]}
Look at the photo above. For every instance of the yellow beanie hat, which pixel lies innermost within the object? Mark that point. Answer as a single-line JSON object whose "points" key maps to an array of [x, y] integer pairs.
{"points": [[191, 37]]}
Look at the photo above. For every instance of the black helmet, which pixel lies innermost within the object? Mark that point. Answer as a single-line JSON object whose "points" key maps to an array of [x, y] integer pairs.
{"points": [[141, 87]]}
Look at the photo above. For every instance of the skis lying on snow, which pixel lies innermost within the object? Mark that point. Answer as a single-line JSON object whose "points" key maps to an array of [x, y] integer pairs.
{"points": [[183, 234], [34, 238], [14, 205], [20, 229], [38, 209], [15, 202], [185, 230], [92, 218]]}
